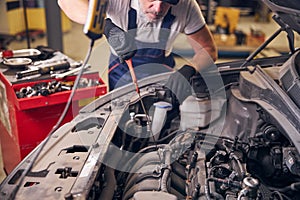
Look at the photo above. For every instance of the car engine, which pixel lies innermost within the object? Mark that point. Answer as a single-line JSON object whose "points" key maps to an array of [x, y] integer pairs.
{"points": [[253, 157]]}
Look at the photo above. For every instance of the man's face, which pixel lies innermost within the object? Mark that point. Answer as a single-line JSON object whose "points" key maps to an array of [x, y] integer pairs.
{"points": [[154, 9]]}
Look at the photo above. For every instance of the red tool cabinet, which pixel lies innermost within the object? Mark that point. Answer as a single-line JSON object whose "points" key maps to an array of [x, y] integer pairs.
{"points": [[25, 122]]}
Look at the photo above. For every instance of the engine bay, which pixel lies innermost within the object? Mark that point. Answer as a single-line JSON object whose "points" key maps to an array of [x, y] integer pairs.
{"points": [[252, 157], [224, 142]]}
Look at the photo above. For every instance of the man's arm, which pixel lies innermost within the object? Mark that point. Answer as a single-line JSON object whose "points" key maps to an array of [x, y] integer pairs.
{"points": [[205, 56], [76, 10], [204, 47]]}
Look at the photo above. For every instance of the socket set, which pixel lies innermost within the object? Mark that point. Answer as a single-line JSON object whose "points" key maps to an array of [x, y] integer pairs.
{"points": [[47, 88]]}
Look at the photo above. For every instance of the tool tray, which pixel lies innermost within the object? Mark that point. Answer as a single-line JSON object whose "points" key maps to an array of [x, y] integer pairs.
{"points": [[57, 97]]}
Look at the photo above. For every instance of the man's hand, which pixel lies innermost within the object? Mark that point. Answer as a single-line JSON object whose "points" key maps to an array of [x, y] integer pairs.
{"points": [[179, 82], [122, 43]]}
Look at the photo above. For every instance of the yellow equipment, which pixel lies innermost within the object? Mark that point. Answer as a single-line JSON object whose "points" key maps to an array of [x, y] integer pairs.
{"points": [[227, 18], [95, 22]]}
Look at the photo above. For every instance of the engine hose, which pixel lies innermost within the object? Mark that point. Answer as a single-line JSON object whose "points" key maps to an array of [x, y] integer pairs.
{"points": [[280, 196], [293, 187], [166, 137], [166, 173], [242, 194], [239, 163], [164, 180], [153, 148], [235, 184], [207, 192], [108, 191]]}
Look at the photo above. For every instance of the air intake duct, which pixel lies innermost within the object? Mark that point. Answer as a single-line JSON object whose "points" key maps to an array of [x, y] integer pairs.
{"points": [[289, 77]]}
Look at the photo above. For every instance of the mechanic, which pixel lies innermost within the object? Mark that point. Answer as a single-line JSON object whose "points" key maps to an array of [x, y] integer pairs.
{"points": [[154, 25]]}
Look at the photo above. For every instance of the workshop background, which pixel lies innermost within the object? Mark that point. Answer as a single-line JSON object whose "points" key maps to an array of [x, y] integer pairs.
{"points": [[239, 27]]}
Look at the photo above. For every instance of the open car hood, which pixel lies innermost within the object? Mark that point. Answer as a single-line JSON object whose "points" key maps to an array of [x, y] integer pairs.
{"points": [[288, 11]]}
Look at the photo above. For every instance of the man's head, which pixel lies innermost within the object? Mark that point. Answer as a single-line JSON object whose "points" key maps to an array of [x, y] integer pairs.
{"points": [[156, 9]]}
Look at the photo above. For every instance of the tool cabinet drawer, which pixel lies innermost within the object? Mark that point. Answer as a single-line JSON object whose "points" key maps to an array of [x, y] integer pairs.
{"points": [[41, 93]]}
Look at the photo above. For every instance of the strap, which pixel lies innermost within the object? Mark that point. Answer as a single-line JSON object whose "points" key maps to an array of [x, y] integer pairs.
{"points": [[166, 24], [168, 20], [132, 17]]}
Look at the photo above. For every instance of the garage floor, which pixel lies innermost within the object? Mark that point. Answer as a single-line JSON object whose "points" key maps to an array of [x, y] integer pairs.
{"points": [[76, 45]]}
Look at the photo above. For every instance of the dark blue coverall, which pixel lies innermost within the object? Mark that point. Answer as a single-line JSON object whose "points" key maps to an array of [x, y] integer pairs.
{"points": [[149, 59]]}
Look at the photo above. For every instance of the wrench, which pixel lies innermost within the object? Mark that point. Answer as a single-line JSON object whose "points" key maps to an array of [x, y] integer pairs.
{"points": [[72, 71]]}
